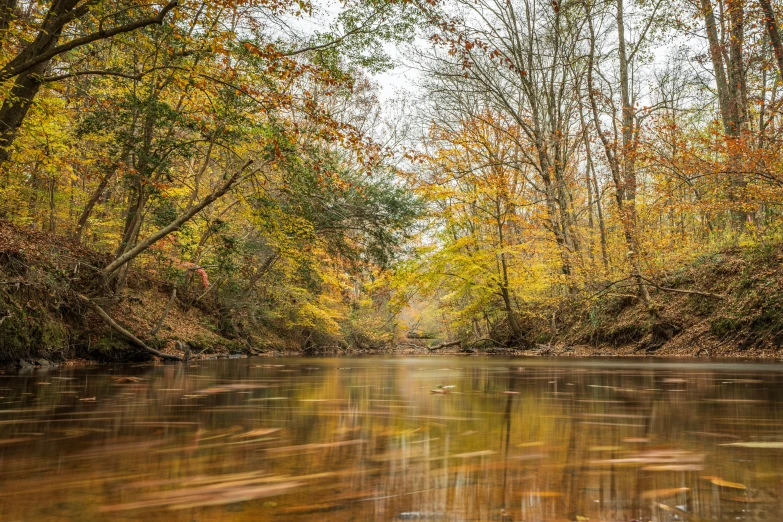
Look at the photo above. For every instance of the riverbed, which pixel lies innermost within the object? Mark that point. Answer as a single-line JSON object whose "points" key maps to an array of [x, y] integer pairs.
{"points": [[435, 438]]}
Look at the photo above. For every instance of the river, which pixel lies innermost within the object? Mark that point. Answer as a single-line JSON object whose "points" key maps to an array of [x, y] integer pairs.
{"points": [[364, 439]]}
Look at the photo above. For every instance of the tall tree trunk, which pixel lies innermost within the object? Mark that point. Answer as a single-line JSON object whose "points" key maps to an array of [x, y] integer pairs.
{"points": [[737, 89], [15, 108], [593, 195], [504, 285], [601, 222], [770, 20], [7, 8], [732, 94], [716, 55], [27, 82], [628, 208], [88, 207]]}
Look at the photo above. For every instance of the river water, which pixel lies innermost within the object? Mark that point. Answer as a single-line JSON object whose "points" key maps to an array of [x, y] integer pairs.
{"points": [[394, 439]]}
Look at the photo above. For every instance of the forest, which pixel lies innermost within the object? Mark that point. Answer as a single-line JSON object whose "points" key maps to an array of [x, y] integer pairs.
{"points": [[258, 177]]}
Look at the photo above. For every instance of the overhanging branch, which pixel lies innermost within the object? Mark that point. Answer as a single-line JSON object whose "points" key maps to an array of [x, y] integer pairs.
{"points": [[102, 34]]}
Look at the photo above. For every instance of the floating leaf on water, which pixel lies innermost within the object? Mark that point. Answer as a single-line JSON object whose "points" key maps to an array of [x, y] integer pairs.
{"points": [[714, 435], [311, 509], [726, 484], [677, 510], [230, 387], [747, 500], [474, 454], [195, 497], [306, 447], [127, 379], [4, 442], [762, 445], [420, 515], [256, 433], [662, 493], [731, 401], [674, 467], [541, 494]]}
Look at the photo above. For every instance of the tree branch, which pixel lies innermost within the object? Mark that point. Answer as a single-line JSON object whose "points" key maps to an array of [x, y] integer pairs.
{"points": [[165, 313], [174, 225], [774, 35], [444, 345], [678, 291], [101, 34], [125, 333], [96, 72]]}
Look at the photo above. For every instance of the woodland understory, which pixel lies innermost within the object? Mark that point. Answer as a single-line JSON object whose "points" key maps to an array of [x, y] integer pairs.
{"points": [[575, 177]]}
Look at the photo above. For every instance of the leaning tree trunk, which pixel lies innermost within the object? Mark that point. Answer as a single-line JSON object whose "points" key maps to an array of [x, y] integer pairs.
{"points": [[770, 21], [81, 224], [143, 245], [15, 108]]}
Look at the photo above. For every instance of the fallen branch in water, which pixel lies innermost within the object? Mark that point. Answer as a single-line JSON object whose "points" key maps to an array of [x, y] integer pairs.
{"points": [[459, 343], [444, 345], [125, 333]]}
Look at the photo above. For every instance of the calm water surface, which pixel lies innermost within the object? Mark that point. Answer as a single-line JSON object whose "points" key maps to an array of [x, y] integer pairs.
{"points": [[394, 439]]}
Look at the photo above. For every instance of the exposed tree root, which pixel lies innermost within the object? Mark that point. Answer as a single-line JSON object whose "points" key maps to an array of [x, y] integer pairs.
{"points": [[662, 331]]}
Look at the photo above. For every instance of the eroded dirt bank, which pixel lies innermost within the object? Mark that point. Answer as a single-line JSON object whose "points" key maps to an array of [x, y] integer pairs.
{"points": [[43, 320]]}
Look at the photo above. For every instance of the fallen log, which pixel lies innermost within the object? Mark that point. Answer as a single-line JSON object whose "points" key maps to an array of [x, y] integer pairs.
{"points": [[125, 333], [444, 345]]}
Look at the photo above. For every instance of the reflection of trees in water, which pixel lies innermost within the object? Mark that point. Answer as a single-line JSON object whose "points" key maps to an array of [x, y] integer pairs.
{"points": [[366, 439]]}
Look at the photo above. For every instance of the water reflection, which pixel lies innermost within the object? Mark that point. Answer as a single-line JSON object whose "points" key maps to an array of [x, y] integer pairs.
{"points": [[389, 439]]}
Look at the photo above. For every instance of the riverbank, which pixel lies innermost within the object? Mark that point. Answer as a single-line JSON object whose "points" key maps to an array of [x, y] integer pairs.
{"points": [[44, 320], [727, 303], [724, 304]]}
